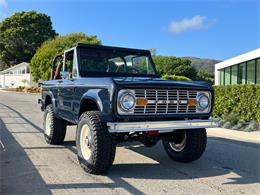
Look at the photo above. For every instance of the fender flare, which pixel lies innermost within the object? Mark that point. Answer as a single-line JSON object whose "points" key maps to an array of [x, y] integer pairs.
{"points": [[49, 93], [101, 98]]}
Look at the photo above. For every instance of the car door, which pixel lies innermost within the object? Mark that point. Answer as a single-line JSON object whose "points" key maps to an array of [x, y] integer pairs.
{"points": [[67, 86]]}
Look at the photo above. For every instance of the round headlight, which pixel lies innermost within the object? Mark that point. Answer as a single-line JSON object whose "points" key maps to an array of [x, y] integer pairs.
{"points": [[127, 101], [203, 102]]}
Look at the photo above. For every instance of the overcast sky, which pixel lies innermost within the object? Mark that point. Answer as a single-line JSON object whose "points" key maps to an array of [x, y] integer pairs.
{"points": [[214, 28]]}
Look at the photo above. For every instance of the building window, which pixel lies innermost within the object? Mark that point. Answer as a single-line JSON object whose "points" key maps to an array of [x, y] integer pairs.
{"points": [[242, 73], [219, 77], [27, 69], [258, 71], [221, 73], [234, 73], [227, 75], [251, 72]]}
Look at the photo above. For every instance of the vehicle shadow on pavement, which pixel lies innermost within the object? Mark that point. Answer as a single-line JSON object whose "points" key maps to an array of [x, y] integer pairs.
{"points": [[17, 172], [27, 178], [209, 165]]}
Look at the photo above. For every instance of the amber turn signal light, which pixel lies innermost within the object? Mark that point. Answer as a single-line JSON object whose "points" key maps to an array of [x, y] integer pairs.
{"points": [[192, 102], [141, 102]]}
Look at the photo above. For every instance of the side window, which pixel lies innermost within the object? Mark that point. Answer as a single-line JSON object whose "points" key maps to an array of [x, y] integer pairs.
{"points": [[56, 67], [68, 65]]}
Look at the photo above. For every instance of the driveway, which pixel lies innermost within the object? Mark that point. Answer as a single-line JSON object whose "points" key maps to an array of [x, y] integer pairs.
{"points": [[30, 166]]}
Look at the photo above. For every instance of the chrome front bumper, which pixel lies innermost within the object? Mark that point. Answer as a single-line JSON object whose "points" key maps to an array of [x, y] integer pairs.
{"points": [[161, 126]]}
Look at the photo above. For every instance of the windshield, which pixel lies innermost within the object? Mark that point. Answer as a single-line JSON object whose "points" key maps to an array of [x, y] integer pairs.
{"points": [[115, 62]]}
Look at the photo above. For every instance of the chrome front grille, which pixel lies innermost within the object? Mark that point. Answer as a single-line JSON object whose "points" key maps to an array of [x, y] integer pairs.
{"points": [[165, 101]]}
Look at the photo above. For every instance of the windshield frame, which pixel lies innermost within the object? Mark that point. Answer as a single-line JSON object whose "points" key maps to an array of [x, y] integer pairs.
{"points": [[117, 74]]}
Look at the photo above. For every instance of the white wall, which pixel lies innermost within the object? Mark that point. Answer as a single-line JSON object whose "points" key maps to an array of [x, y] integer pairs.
{"points": [[2, 81], [6, 80], [235, 60]]}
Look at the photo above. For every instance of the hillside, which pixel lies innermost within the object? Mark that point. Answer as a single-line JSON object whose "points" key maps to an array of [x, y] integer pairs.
{"points": [[203, 63]]}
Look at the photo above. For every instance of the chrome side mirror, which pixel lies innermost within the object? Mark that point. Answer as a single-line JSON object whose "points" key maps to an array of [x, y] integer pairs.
{"points": [[64, 75]]}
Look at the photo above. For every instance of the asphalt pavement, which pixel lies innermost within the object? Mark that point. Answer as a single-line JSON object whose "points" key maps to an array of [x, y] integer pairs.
{"points": [[30, 166]]}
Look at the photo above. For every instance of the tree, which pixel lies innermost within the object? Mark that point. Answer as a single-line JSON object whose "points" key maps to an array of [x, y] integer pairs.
{"points": [[186, 70], [41, 62], [21, 34], [204, 75], [175, 77], [2, 65], [167, 64]]}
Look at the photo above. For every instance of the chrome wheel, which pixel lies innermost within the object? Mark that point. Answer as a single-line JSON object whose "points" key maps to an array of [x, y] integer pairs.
{"points": [[178, 147], [85, 142], [48, 124]]}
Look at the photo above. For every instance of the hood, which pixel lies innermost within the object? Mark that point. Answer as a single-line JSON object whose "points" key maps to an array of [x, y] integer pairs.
{"points": [[160, 83]]}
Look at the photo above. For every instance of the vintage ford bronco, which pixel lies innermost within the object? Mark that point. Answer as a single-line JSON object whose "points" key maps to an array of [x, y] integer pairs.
{"points": [[115, 95]]}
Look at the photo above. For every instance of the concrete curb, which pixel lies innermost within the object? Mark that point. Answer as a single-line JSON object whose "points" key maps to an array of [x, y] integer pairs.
{"points": [[253, 137], [4, 91]]}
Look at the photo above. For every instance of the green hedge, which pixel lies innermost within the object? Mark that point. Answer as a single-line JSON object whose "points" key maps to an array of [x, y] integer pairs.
{"points": [[175, 77], [241, 100]]}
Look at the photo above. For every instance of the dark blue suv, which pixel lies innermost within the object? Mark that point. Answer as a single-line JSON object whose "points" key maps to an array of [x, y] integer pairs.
{"points": [[115, 95]]}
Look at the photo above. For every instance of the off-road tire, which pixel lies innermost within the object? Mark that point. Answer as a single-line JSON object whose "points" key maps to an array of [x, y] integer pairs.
{"points": [[103, 145], [196, 141], [57, 127]]}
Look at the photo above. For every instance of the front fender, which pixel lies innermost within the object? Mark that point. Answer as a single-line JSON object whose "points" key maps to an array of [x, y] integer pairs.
{"points": [[53, 100], [102, 99]]}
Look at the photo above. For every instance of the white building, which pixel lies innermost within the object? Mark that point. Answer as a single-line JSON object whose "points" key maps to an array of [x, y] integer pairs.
{"points": [[242, 69], [18, 75]]}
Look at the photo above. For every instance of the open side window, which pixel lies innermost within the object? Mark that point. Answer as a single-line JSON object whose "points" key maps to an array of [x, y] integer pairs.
{"points": [[57, 65], [70, 69]]}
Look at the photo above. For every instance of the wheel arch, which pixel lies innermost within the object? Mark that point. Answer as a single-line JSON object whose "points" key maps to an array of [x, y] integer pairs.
{"points": [[48, 98], [47, 101], [88, 104], [99, 99]]}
